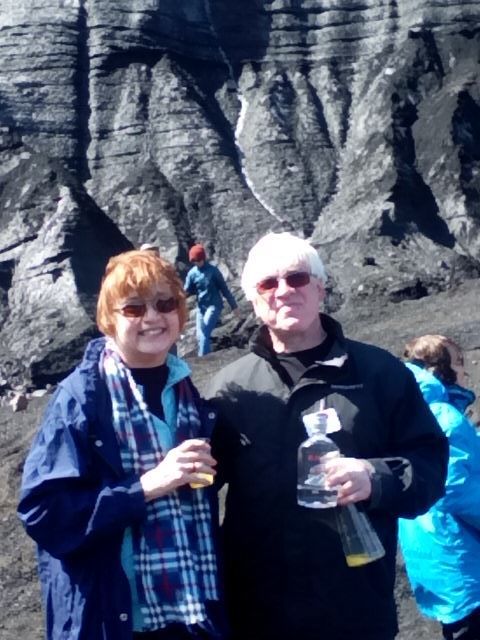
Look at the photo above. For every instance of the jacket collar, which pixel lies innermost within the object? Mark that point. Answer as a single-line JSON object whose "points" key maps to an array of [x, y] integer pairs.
{"points": [[261, 342], [332, 366], [460, 397], [99, 403], [434, 390]]}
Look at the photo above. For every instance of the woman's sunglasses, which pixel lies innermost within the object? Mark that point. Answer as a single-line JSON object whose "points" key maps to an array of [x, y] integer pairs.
{"points": [[295, 280], [139, 309]]}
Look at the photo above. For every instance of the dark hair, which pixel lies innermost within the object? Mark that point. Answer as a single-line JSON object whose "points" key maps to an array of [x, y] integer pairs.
{"points": [[432, 352]]}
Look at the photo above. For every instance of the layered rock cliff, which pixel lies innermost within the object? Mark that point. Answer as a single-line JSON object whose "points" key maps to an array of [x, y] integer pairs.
{"points": [[353, 122]]}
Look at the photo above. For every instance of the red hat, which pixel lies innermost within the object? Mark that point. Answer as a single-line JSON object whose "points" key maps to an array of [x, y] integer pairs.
{"points": [[197, 253]]}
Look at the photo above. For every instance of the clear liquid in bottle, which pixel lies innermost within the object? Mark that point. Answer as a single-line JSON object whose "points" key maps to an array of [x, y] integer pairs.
{"points": [[312, 488]]}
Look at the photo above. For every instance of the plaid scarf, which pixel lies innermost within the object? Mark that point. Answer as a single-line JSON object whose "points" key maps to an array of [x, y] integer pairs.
{"points": [[174, 557]]}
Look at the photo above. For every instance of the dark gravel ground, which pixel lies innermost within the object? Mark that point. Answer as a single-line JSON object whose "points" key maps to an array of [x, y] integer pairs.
{"points": [[455, 313]]}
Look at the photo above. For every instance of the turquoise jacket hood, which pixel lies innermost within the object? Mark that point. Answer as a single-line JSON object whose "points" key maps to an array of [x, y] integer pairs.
{"points": [[441, 547]]}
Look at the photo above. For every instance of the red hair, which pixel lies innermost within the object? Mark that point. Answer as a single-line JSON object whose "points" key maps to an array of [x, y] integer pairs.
{"points": [[136, 272]]}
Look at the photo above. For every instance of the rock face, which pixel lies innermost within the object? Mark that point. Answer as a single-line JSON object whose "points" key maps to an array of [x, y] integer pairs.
{"points": [[355, 123], [127, 121]]}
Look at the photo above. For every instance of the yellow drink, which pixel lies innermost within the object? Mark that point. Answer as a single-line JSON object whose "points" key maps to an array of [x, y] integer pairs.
{"points": [[208, 480], [358, 559]]}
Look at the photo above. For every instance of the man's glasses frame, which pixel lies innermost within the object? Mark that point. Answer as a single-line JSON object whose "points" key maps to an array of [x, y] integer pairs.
{"points": [[294, 280], [139, 309]]}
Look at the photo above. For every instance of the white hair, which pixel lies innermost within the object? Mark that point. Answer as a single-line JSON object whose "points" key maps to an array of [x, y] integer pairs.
{"points": [[276, 252]]}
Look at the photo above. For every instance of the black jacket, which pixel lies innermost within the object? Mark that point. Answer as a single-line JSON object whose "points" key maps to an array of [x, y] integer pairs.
{"points": [[286, 573]]}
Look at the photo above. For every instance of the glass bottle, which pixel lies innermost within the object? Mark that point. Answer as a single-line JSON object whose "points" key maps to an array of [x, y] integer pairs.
{"points": [[312, 490], [360, 542]]}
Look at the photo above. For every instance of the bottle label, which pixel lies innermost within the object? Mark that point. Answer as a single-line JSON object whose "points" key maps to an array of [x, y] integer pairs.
{"points": [[312, 488], [333, 421]]}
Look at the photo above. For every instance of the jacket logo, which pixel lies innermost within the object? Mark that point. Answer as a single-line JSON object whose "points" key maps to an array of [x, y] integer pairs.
{"points": [[347, 386]]}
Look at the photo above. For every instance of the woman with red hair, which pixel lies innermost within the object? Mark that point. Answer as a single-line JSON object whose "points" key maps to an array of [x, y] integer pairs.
{"points": [[126, 545]]}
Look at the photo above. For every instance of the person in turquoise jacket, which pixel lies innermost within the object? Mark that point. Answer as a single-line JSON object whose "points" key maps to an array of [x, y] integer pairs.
{"points": [[205, 281], [441, 548]]}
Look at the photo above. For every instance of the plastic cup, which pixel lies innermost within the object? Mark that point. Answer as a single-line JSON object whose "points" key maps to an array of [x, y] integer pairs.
{"points": [[206, 477], [360, 542], [208, 480]]}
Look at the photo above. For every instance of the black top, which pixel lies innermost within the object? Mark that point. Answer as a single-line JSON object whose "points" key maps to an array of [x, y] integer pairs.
{"points": [[153, 381], [296, 363]]}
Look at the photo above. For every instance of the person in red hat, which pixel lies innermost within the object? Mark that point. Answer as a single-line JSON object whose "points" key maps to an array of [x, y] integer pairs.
{"points": [[205, 281]]}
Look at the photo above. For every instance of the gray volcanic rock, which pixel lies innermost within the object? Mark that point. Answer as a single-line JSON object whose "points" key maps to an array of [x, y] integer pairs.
{"points": [[356, 124], [215, 121], [54, 244]]}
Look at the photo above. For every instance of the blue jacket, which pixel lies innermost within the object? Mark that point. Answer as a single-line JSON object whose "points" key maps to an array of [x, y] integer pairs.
{"points": [[208, 284], [76, 503], [442, 547]]}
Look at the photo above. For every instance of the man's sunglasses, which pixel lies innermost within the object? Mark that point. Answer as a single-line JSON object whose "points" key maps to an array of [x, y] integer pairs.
{"points": [[294, 280], [139, 309]]}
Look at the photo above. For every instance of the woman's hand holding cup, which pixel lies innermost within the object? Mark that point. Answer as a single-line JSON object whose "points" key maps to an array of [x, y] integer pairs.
{"points": [[189, 463]]}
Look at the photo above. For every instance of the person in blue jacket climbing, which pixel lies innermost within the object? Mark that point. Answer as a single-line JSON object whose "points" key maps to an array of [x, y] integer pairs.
{"points": [[441, 548], [126, 545], [206, 282]]}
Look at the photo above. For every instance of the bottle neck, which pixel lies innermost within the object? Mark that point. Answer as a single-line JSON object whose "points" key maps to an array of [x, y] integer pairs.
{"points": [[315, 424]]}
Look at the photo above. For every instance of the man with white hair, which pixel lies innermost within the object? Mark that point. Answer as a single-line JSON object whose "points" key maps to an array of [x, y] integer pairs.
{"points": [[286, 573]]}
